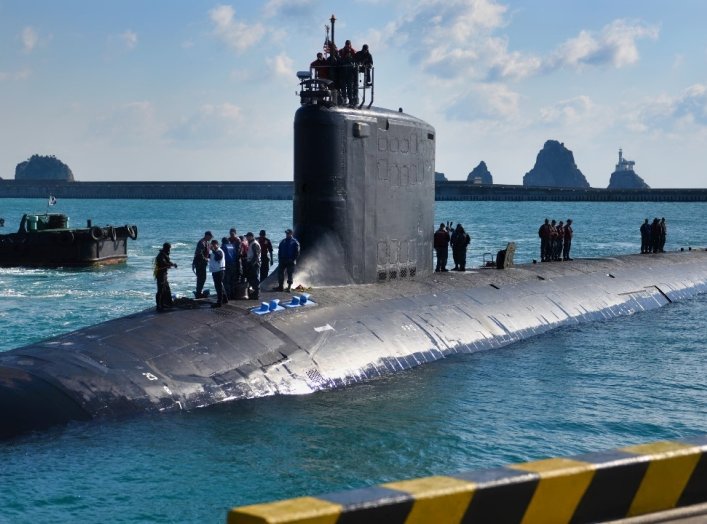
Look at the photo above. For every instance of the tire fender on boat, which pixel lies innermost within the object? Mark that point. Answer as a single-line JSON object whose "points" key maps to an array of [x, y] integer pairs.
{"points": [[111, 232], [132, 231], [96, 233]]}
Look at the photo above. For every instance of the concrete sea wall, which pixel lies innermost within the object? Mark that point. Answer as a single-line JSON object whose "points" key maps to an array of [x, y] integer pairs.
{"points": [[284, 191]]}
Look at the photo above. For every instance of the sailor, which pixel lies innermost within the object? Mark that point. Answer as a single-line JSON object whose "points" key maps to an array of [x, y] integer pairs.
{"points": [[217, 266], [553, 240], [265, 254], [287, 255], [662, 234], [544, 234], [238, 266], [452, 238], [320, 67], [347, 74], [559, 240], [441, 246], [229, 277], [645, 237], [253, 261], [568, 240], [655, 235], [201, 260], [460, 240], [364, 59], [162, 266], [243, 246]]}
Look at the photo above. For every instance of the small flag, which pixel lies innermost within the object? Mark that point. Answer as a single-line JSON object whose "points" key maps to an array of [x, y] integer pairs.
{"points": [[52, 200]]}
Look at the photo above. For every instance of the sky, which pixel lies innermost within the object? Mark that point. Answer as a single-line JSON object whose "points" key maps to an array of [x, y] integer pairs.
{"points": [[166, 90]]}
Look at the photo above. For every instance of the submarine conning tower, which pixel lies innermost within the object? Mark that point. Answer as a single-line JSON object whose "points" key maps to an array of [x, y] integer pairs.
{"points": [[363, 189]]}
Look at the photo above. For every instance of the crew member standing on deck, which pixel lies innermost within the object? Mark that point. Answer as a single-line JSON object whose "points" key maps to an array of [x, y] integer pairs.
{"points": [[217, 266], [441, 245], [253, 260], [544, 234], [229, 276], [201, 260], [287, 255], [662, 235], [655, 235], [569, 233], [460, 241], [265, 255], [560, 240], [162, 265], [645, 237], [553, 240]]}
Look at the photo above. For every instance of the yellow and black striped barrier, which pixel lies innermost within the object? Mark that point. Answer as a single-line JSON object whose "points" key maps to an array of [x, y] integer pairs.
{"points": [[631, 481]]}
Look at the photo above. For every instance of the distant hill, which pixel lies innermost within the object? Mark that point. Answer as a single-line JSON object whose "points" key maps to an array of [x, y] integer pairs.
{"points": [[555, 167], [480, 175], [40, 167], [440, 177]]}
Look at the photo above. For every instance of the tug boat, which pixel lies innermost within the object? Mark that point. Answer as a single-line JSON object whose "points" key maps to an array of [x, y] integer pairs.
{"points": [[46, 240]]}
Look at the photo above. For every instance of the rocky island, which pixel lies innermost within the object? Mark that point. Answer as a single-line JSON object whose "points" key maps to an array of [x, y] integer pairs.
{"points": [[480, 175], [555, 167], [40, 167], [624, 177]]}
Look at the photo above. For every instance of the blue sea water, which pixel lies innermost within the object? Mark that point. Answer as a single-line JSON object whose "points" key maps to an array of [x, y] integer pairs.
{"points": [[588, 387]]}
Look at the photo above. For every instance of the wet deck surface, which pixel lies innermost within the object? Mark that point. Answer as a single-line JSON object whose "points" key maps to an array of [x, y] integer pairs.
{"points": [[476, 278]]}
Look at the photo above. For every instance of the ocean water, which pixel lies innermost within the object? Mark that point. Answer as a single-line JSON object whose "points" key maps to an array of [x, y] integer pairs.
{"points": [[589, 387]]}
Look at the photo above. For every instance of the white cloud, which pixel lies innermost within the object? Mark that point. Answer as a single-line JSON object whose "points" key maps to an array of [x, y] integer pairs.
{"points": [[134, 123], [211, 126], [288, 7], [22, 74], [444, 35], [238, 35], [29, 38], [281, 66], [666, 114], [129, 39], [462, 39], [567, 111], [485, 102], [614, 45]]}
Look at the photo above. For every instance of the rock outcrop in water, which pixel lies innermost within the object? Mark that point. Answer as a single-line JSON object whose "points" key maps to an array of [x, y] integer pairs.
{"points": [[480, 175], [40, 167], [624, 177], [555, 167]]}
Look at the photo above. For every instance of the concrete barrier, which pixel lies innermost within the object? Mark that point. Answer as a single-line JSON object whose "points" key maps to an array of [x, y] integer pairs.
{"points": [[594, 487]]}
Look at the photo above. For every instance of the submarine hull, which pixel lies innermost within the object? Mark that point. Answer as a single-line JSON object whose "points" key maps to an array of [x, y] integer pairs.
{"points": [[182, 360]]}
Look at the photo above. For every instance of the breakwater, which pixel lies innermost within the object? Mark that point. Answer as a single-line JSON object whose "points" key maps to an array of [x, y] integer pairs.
{"points": [[283, 191]]}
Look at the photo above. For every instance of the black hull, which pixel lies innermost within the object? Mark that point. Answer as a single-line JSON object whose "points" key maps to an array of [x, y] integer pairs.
{"points": [[187, 359]]}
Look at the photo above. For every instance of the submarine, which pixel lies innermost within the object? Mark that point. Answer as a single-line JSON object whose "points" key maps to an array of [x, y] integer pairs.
{"points": [[363, 211]]}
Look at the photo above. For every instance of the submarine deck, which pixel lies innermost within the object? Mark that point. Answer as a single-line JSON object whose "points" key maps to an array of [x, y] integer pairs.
{"points": [[189, 358], [484, 277]]}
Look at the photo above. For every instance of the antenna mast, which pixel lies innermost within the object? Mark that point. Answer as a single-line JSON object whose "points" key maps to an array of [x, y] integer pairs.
{"points": [[333, 21]]}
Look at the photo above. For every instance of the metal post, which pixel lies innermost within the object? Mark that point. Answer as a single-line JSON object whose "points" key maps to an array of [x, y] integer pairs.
{"points": [[333, 21]]}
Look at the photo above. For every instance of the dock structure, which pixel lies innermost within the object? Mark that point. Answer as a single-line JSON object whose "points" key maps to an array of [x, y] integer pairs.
{"points": [[656, 482], [281, 190]]}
